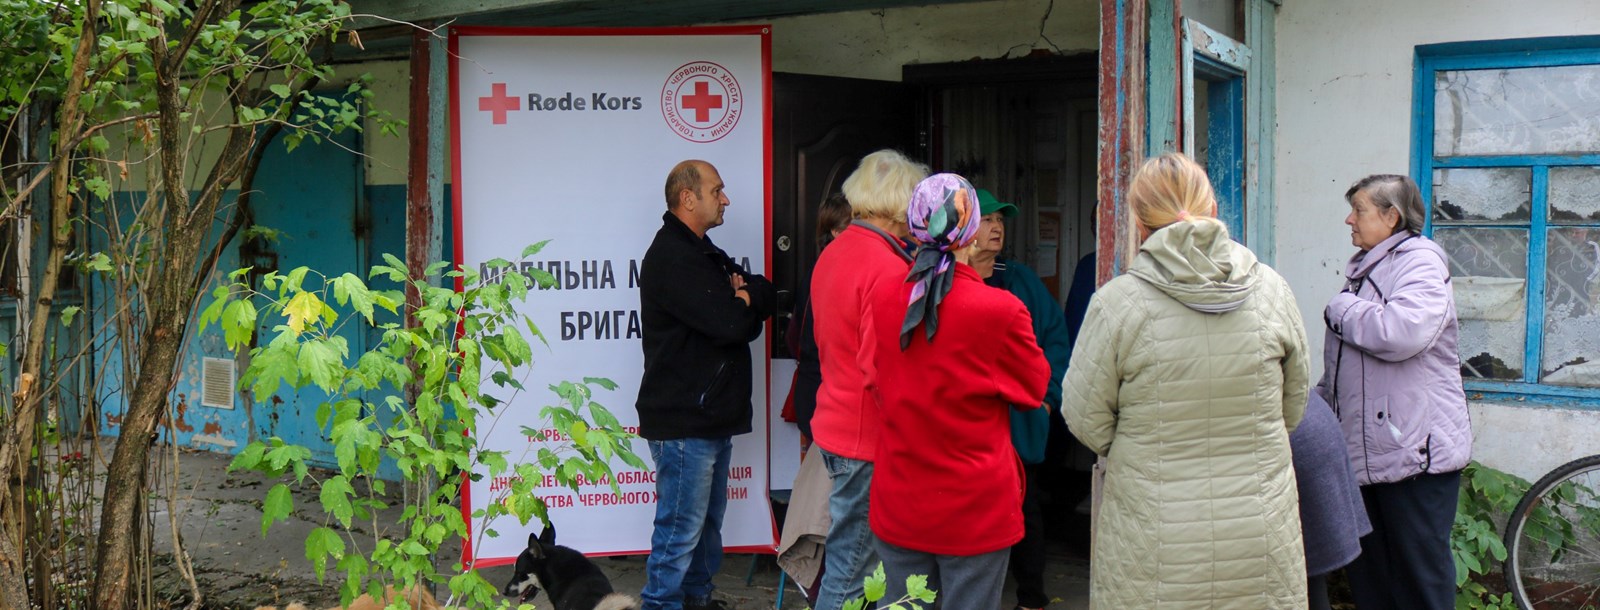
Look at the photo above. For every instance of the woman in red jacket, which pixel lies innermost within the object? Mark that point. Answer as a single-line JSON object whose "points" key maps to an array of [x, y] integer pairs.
{"points": [[952, 356], [866, 255]]}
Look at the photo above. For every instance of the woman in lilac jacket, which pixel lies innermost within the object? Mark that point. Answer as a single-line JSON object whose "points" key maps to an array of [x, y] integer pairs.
{"points": [[1393, 377]]}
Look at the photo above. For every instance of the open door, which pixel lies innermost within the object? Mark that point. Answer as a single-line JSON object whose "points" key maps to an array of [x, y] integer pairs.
{"points": [[821, 127]]}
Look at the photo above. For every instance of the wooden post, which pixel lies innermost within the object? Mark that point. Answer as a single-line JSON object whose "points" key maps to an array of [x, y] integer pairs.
{"points": [[1123, 34], [420, 203], [1122, 137], [424, 186]]}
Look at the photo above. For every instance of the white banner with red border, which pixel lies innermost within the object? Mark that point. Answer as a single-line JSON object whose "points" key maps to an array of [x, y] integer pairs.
{"points": [[567, 134]]}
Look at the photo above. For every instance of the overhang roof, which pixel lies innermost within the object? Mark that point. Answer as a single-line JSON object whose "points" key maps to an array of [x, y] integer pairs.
{"points": [[607, 12], [389, 37]]}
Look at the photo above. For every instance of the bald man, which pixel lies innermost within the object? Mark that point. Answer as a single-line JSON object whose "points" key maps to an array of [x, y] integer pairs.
{"points": [[699, 311]]}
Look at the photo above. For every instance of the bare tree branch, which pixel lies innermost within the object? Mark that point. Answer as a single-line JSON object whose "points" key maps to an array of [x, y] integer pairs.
{"points": [[202, 15], [72, 144]]}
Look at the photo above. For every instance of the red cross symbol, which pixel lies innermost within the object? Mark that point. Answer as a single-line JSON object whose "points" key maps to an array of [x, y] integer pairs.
{"points": [[499, 103], [702, 102]]}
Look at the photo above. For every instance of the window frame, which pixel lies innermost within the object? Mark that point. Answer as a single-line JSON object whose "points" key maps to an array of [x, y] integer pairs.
{"points": [[1507, 54]]}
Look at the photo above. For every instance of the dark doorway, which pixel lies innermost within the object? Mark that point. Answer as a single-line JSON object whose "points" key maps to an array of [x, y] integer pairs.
{"points": [[821, 127], [1026, 129]]}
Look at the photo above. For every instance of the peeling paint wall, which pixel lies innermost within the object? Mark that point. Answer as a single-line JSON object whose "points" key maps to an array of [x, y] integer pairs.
{"points": [[1345, 75]]}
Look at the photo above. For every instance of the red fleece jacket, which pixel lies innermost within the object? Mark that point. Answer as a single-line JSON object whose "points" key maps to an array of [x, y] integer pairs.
{"points": [[947, 480], [850, 268]]}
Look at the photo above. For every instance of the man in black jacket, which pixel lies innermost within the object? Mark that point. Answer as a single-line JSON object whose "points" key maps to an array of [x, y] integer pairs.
{"points": [[700, 310]]}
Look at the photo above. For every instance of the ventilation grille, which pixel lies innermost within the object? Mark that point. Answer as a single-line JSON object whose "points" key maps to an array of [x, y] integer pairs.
{"points": [[217, 379]]}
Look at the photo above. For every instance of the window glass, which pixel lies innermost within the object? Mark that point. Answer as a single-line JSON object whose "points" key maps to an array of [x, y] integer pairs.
{"points": [[1574, 195], [1510, 111], [1489, 273], [1571, 353], [1498, 193]]}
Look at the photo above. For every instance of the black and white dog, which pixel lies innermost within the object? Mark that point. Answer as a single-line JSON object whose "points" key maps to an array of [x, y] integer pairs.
{"points": [[570, 579]]}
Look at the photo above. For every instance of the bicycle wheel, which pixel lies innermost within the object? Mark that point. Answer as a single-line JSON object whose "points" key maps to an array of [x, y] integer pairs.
{"points": [[1553, 540]]}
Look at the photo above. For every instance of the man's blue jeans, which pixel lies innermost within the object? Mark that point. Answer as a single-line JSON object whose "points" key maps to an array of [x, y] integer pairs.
{"points": [[851, 551], [686, 547]]}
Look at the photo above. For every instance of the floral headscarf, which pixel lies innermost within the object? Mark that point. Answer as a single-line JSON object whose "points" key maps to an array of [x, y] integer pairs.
{"points": [[943, 215]]}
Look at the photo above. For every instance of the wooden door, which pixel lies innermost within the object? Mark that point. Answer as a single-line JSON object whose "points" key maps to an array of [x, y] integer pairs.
{"points": [[821, 127]]}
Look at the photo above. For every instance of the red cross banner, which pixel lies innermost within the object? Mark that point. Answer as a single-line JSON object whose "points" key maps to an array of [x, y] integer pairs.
{"points": [[567, 134]]}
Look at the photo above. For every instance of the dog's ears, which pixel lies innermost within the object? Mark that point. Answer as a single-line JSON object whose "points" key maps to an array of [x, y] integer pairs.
{"points": [[548, 536], [535, 548]]}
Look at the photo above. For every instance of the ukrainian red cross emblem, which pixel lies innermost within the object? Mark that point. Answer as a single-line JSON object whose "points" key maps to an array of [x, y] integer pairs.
{"points": [[701, 101]]}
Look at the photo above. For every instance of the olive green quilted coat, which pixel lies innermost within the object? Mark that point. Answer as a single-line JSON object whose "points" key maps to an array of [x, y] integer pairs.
{"points": [[1188, 375]]}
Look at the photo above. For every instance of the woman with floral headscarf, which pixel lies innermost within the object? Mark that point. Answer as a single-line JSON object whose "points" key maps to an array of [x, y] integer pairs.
{"points": [[952, 356]]}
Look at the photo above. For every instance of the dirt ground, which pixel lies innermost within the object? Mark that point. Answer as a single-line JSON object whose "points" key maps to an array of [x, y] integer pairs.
{"points": [[236, 567]]}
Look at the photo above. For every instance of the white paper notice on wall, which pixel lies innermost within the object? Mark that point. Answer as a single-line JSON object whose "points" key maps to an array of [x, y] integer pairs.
{"points": [[568, 135]]}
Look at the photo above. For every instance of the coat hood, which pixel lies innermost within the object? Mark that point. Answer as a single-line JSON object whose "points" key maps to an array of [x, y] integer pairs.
{"points": [[1196, 264]]}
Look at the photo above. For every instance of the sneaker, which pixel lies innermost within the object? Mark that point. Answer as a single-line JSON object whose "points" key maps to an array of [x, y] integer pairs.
{"points": [[710, 604]]}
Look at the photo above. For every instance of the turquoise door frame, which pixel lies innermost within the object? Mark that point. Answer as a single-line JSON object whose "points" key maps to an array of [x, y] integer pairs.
{"points": [[1241, 82], [1222, 63]]}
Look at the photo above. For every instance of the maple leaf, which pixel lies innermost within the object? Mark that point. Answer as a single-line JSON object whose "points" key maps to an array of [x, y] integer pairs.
{"points": [[303, 307]]}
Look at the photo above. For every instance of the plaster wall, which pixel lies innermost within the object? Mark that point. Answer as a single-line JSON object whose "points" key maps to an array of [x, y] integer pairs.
{"points": [[1528, 440], [875, 44], [391, 86], [1344, 80]]}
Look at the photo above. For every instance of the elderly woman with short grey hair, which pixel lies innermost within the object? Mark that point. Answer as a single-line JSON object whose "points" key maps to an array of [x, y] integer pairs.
{"points": [[1393, 377], [868, 254]]}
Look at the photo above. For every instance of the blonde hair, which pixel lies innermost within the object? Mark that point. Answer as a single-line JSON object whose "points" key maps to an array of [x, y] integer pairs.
{"points": [[881, 185], [1168, 189]]}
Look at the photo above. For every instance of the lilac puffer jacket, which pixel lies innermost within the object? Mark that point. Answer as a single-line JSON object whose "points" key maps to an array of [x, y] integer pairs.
{"points": [[1391, 370]]}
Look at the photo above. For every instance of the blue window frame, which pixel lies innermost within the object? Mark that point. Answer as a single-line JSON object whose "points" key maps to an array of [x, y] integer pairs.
{"points": [[1506, 150]]}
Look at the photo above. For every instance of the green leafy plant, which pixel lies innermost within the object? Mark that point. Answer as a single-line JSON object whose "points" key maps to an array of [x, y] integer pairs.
{"points": [[151, 118], [1487, 496], [917, 596], [461, 359]]}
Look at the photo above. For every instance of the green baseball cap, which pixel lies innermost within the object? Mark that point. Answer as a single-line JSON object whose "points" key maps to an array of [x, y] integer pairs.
{"points": [[988, 204]]}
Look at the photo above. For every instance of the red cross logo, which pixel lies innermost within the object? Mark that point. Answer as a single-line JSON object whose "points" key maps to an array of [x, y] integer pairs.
{"points": [[499, 103], [702, 102]]}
